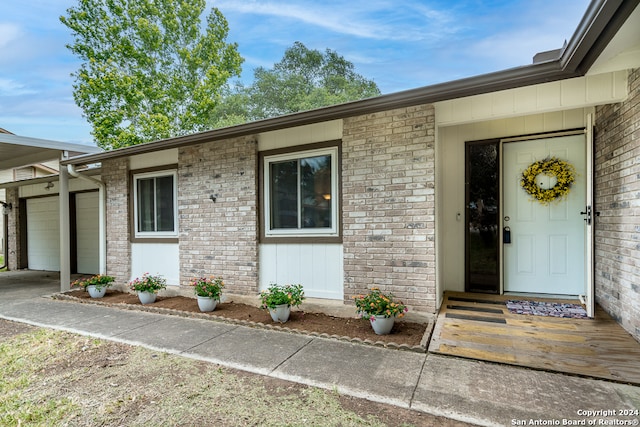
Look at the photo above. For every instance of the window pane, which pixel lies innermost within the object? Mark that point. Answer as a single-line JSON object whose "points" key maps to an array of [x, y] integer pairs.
{"points": [[145, 204], [316, 195], [284, 194], [164, 203]]}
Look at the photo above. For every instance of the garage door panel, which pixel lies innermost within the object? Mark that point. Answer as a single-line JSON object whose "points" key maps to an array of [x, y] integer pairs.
{"points": [[87, 232], [43, 234]]}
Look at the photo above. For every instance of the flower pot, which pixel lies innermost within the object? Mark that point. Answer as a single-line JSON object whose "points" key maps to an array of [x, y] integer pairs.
{"points": [[382, 325], [280, 313], [94, 292], [146, 297], [206, 303]]}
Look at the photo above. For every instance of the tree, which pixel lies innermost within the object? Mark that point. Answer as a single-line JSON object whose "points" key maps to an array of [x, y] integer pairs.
{"points": [[149, 71], [303, 80]]}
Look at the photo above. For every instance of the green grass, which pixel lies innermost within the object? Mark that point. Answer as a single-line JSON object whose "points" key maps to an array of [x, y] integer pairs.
{"points": [[57, 378], [19, 360]]}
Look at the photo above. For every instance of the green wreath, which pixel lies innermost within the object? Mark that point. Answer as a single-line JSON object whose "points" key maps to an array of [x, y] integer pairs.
{"points": [[564, 172]]}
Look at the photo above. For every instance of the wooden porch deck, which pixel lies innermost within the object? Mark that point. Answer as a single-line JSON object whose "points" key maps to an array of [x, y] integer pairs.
{"points": [[479, 326]]}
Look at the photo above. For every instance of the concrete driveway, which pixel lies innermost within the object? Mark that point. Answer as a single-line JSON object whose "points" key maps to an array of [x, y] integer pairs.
{"points": [[25, 284]]}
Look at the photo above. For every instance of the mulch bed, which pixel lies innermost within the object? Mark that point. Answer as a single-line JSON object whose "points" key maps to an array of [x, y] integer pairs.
{"points": [[404, 336]]}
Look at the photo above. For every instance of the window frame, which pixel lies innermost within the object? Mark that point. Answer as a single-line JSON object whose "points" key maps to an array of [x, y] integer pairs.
{"points": [[153, 236], [331, 234]]}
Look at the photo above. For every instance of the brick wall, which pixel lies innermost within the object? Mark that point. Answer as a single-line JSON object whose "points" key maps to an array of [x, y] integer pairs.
{"points": [[13, 238], [617, 197], [388, 181], [115, 175], [219, 238]]}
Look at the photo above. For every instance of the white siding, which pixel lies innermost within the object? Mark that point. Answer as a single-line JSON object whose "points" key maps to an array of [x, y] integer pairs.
{"points": [[157, 158], [156, 258], [544, 98], [317, 267], [37, 190], [317, 132]]}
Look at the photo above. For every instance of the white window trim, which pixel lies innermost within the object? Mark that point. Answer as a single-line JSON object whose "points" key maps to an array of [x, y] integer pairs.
{"points": [[302, 232], [156, 234]]}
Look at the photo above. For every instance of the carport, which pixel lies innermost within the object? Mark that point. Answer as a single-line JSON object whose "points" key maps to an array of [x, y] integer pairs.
{"points": [[19, 151]]}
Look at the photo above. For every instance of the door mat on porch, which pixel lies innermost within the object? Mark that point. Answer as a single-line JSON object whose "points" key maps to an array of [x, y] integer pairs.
{"points": [[540, 308]]}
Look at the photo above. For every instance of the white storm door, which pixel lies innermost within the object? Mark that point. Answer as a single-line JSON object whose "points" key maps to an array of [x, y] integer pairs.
{"points": [[547, 250]]}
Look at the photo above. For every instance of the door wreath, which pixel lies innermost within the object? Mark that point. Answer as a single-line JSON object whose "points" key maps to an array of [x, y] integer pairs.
{"points": [[564, 172]]}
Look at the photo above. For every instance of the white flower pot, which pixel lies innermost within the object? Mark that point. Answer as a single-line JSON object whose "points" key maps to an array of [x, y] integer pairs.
{"points": [[206, 303], [382, 325], [94, 292], [147, 297], [280, 313]]}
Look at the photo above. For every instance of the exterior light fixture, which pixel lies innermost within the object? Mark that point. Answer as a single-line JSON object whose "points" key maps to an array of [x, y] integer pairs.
{"points": [[6, 208]]}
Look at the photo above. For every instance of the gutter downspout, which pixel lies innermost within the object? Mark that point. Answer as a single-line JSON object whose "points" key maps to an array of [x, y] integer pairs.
{"points": [[102, 224]]}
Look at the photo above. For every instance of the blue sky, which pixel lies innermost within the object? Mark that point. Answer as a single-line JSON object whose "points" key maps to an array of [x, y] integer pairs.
{"points": [[399, 47]]}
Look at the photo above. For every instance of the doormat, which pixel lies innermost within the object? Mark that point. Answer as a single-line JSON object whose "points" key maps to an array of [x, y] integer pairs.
{"points": [[553, 309]]}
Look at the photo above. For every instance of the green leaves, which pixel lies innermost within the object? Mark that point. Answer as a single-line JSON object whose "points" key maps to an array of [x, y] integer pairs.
{"points": [[303, 80], [151, 69]]}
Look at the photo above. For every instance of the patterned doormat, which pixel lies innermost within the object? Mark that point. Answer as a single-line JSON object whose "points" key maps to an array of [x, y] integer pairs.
{"points": [[554, 309]]}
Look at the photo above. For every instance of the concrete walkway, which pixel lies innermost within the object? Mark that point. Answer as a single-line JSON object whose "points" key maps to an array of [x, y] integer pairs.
{"points": [[461, 389]]}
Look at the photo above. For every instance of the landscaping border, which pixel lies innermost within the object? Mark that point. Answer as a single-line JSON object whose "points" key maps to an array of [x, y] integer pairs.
{"points": [[422, 348]]}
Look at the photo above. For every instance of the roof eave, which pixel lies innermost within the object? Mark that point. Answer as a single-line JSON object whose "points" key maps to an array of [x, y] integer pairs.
{"points": [[508, 79]]}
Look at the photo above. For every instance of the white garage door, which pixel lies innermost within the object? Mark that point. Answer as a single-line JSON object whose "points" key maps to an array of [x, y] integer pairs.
{"points": [[43, 234], [87, 232]]}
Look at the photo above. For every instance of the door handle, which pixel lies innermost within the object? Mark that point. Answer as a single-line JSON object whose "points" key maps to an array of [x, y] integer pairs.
{"points": [[587, 212]]}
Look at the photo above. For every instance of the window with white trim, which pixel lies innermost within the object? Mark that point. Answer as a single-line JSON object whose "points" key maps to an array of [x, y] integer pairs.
{"points": [[155, 204], [301, 193]]}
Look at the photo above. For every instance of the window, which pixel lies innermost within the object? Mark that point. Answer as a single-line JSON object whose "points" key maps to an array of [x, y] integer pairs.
{"points": [[300, 193], [155, 204]]}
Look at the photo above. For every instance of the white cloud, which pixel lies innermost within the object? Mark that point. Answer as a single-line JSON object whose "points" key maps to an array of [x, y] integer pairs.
{"points": [[382, 20], [9, 87], [8, 33]]}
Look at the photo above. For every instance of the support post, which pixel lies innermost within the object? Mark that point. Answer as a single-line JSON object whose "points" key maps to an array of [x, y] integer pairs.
{"points": [[65, 227]]}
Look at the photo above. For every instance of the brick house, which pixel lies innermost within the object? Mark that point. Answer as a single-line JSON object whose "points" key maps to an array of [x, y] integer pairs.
{"points": [[416, 192]]}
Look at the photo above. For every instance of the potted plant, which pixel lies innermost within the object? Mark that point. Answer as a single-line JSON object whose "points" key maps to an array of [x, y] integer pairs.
{"points": [[381, 310], [208, 292], [96, 285], [279, 299], [147, 287]]}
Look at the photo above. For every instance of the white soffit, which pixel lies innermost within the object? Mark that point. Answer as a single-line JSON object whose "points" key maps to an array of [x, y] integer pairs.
{"points": [[623, 51], [17, 151]]}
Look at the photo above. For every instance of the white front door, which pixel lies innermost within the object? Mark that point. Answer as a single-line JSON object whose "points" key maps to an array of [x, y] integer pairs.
{"points": [[547, 250]]}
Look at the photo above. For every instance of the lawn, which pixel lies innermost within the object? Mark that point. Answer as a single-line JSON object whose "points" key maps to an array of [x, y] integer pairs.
{"points": [[57, 378]]}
